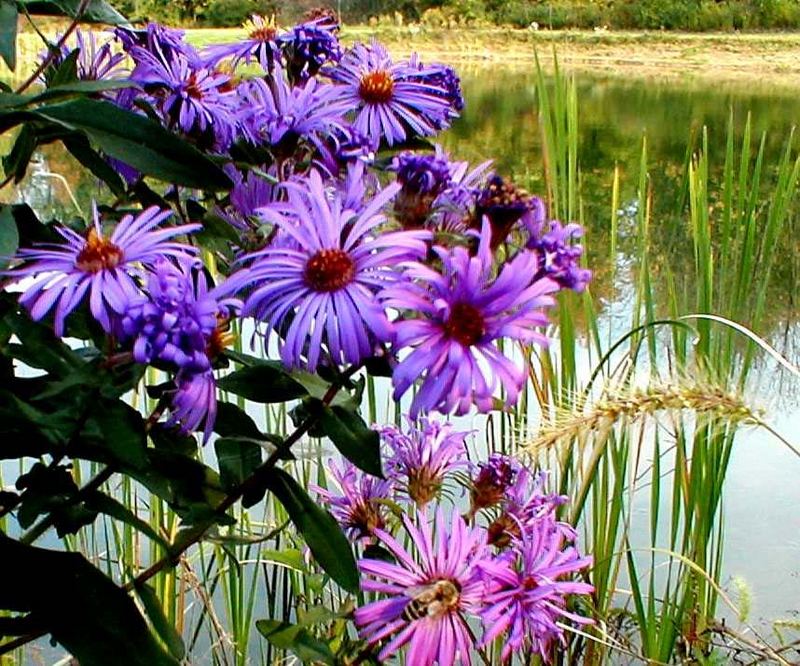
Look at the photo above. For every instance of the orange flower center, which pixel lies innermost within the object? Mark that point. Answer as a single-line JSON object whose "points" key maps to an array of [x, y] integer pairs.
{"points": [[329, 270], [220, 338], [465, 324], [376, 87], [98, 254], [264, 33]]}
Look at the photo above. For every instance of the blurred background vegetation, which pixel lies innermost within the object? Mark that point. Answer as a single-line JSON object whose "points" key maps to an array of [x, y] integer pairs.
{"points": [[692, 15]]}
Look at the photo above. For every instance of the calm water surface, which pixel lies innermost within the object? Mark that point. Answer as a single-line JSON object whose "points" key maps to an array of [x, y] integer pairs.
{"points": [[762, 521]]}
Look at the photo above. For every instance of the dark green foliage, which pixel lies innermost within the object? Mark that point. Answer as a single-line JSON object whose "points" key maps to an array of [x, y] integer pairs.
{"points": [[233, 13], [329, 546], [83, 609]]}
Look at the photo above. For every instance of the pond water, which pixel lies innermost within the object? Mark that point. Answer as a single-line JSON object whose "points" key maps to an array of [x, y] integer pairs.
{"points": [[762, 522]]}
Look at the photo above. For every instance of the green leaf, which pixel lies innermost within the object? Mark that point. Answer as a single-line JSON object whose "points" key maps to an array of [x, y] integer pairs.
{"points": [[122, 432], [285, 636], [237, 459], [355, 441], [137, 141], [9, 235], [8, 32], [164, 628], [101, 503], [79, 146], [233, 421], [72, 88], [96, 11], [51, 585], [266, 382], [320, 530]]}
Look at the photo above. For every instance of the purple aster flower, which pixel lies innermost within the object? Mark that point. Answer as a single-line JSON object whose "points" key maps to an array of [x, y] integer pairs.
{"points": [[260, 44], [391, 104], [460, 312], [341, 147], [524, 503], [424, 178], [197, 100], [559, 255], [429, 594], [530, 586], [492, 481], [320, 287], [359, 507], [421, 458], [165, 43], [105, 267], [280, 116], [307, 47], [179, 321], [95, 61]]}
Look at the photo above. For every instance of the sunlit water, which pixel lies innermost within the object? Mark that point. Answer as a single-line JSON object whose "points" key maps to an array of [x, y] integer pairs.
{"points": [[762, 522]]}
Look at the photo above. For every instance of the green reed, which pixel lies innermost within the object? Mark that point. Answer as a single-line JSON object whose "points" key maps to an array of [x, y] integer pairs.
{"points": [[657, 579]]}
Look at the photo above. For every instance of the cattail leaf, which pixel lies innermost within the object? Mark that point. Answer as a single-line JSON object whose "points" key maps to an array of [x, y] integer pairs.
{"points": [[320, 530], [102, 503]]}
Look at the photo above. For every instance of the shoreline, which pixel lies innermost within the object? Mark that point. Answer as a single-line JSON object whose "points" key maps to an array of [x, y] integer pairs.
{"points": [[768, 59]]}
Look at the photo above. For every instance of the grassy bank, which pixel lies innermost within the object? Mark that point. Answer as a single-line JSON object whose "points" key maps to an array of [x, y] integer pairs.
{"points": [[775, 56]]}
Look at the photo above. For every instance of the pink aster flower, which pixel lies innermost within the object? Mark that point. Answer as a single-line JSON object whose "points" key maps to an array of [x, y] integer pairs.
{"points": [[358, 506], [530, 587], [429, 595], [453, 319]]}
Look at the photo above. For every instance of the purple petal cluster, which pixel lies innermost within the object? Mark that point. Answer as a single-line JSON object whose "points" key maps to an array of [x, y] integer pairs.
{"points": [[179, 323], [188, 93], [95, 61], [104, 267], [279, 115], [420, 458], [307, 47], [558, 252], [453, 319], [260, 45], [530, 585], [318, 290]]}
